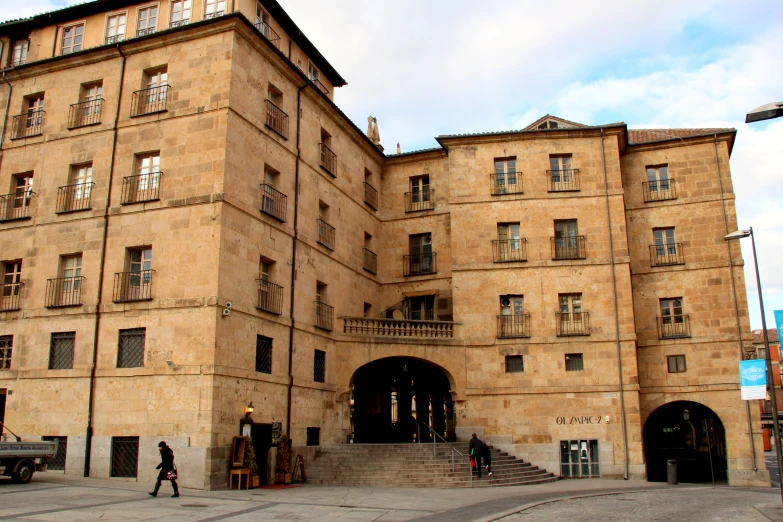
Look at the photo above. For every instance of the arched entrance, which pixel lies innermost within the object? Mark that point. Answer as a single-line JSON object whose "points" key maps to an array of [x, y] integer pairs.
{"points": [[690, 433], [390, 397]]}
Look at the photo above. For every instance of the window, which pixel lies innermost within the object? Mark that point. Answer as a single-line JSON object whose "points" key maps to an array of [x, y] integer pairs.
{"points": [[155, 91], [328, 158], [505, 177], [73, 38], [147, 20], [312, 72], [299, 63], [570, 303], [263, 354], [549, 124], [115, 27], [268, 191], [12, 282], [658, 178], [180, 12], [579, 458], [18, 54], [421, 259], [61, 350], [22, 192], [135, 283], [512, 321], [664, 241], [514, 364], [214, 8], [324, 314], [509, 246], [420, 189], [420, 308], [671, 310], [276, 119], [560, 166], [130, 351], [319, 366], [562, 177], [571, 320], [88, 110], [68, 291], [367, 309], [147, 179], [676, 363], [6, 346], [262, 22], [76, 196], [574, 362], [313, 436], [124, 457], [34, 116], [567, 243], [511, 305]]}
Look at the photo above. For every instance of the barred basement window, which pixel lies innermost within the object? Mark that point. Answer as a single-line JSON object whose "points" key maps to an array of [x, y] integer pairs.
{"points": [[319, 366], [61, 350], [263, 354], [6, 345], [574, 362], [58, 461], [514, 364], [124, 457], [676, 363], [130, 352]]}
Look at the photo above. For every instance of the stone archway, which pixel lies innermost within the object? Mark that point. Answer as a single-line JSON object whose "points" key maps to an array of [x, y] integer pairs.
{"points": [[690, 433], [392, 395]]}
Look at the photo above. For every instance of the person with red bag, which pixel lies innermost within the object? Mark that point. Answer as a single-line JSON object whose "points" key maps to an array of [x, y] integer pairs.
{"points": [[168, 470], [478, 450]]}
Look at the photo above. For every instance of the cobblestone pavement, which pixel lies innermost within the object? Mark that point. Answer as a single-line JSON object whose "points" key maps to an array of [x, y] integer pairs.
{"points": [[56, 497], [697, 504]]}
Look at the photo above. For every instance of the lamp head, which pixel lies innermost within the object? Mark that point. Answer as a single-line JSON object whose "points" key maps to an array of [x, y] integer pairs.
{"points": [[249, 409], [739, 234]]}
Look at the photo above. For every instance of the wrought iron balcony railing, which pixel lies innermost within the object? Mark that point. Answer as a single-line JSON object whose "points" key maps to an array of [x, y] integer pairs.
{"points": [[179, 23], [566, 180], [214, 15], [133, 286], [422, 200], [114, 39], [145, 32], [419, 264], [572, 324], [370, 196], [270, 297], [380, 327], [73, 198], [276, 119], [328, 160], [674, 327], [9, 296], [268, 33], [15, 206], [370, 261], [511, 326], [509, 250], [325, 234], [659, 190], [324, 316], [28, 124], [666, 255], [273, 202], [573, 247], [141, 188], [64, 291], [320, 86], [85, 113], [506, 183], [150, 101]]}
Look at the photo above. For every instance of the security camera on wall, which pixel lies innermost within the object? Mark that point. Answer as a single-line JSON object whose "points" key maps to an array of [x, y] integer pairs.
{"points": [[227, 310]]}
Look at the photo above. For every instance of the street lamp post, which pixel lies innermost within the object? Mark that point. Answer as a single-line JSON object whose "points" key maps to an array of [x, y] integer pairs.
{"points": [[739, 234]]}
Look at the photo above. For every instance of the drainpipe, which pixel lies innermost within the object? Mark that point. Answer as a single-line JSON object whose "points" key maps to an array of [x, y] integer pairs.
{"points": [[616, 314], [734, 295], [293, 262], [91, 400], [54, 43]]}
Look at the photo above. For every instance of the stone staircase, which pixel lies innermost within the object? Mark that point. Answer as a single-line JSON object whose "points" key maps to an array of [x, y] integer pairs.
{"points": [[414, 465]]}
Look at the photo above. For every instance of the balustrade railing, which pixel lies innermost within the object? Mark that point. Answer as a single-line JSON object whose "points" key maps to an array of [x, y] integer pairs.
{"points": [[9, 296], [149, 101], [73, 198], [422, 200], [15, 206], [674, 327], [85, 113], [572, 323], [511, 326], [140, 188], [509, 250], [506, 183], [659, 190], [133, 286], [64, 291], [28, 124], [418, 264], [666, 255], [572, 247], [566, 180], [382, 327]]}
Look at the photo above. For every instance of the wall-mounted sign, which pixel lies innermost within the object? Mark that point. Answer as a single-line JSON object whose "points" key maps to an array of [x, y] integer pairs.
{"points": [[753, 379], [584, 419], [612, 395]]}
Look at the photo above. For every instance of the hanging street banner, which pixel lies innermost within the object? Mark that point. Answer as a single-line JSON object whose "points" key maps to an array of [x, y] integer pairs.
{"points": [[779, 323], [753, 379]]}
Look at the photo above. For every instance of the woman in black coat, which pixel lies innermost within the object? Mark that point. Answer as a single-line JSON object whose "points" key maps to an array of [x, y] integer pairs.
{"points": [[166, 465]]}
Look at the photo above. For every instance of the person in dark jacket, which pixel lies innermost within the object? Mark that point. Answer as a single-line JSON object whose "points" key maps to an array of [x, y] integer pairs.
{"points": [[476, 450], [166, 465]]}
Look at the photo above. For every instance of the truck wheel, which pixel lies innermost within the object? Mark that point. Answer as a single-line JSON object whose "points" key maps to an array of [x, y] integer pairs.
{"points": [[24, 473]]}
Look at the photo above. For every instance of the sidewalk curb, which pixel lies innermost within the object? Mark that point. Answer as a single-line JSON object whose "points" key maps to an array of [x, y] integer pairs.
{"points": [[768, 512]]}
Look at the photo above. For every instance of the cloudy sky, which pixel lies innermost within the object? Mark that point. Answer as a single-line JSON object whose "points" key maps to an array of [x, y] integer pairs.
{"points": [[425, 68]]}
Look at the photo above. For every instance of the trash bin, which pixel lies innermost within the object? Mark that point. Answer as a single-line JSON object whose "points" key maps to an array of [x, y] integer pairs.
{"points": [[671, 472]]}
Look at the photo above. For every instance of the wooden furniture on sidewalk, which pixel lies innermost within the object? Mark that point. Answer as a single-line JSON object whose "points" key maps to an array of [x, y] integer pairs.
{"points": [[239, 473]]}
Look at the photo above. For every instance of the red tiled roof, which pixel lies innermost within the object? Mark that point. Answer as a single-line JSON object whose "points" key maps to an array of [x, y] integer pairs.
{"points": [[649, 135], [772, 335]]}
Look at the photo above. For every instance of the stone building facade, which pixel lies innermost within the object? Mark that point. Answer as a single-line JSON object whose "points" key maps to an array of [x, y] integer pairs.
{"points": [[191, 225]]}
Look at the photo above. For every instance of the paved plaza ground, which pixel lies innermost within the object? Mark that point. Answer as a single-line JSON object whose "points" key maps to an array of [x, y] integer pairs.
{"points": [[55, 497]]}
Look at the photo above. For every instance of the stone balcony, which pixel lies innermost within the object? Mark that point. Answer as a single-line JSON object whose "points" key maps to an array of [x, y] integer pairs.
{"points": [[408, 328]]}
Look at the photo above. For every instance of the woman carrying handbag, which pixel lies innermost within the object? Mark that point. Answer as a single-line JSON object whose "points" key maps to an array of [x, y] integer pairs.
{"points": [[168, 470]]}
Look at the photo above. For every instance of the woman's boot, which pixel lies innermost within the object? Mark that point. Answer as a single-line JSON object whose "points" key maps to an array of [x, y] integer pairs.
{"points": [[176, 489], [157, 487]]}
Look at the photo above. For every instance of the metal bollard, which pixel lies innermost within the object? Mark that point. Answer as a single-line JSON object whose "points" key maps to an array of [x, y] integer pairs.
{"points": [[671, 472]]}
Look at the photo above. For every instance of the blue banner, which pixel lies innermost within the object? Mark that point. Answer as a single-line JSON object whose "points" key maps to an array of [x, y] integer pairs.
{"points": [[753, 379], [779, 323]]}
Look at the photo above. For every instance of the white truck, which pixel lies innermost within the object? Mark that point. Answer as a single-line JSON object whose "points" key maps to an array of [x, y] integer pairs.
{"points": [[19, 460]]}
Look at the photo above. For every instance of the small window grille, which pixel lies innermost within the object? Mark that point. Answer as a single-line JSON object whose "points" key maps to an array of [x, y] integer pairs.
{"points": [[574, 362], [263, 354], [6, 345], [124, 457], [676, 363], [514, 364], [130, 352], [319, 366], [58, 461], [61, 350]]}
